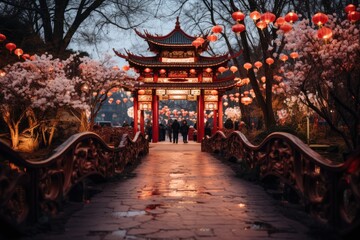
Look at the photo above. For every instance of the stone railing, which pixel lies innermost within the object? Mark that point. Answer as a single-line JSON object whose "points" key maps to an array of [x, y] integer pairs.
{"points": [[30, 190], [328, 190]]}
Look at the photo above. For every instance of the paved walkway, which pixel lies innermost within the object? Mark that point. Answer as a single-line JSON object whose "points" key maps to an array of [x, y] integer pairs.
{"points": [[178, 192]]}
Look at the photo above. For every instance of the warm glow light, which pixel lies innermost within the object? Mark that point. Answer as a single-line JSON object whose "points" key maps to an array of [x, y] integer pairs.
{"points": [[162, 71], [320, 19], [247, 66], [283, 57], [294, 55], [262, 25], [324, 33], [208, 70], [354, 16], [2, 73], [269, 61], [233, 69], [221, 69], [291, 17], [268, 17], [350, 8], [258, 64], [255, 15], [25, 56], [147, 70], [126, 68], [18, 52]]}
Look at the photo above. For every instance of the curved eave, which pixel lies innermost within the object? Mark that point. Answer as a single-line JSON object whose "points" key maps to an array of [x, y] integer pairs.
{"points": [[214, 85], [176, 65]]}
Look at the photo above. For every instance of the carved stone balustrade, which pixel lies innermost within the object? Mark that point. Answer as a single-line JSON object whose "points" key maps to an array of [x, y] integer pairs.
{"points": [[30, 189], [329, 191]]}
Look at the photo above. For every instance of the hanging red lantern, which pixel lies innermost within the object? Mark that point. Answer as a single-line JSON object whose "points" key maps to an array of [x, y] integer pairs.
{"points": [[2, 37], [208, 70], [286, 27], [262, 25], [196, 43], [147, 70], [10, 46], [162, 71], [280, 21], [233, 69], [212, 38], [324, 33], [141, 92], [268, 17], [18, 52], [118, 101], [221, 69], [291, 17], [350, 8], [192, 71], [126, 68], [294, 55], [125, 100], [320, 19], [217, 29], [238, 16], [25, 56], [255, 15], [354, 16], [269, 61], [258, 64], [283, 57], [238, 28], [201, 40], [247, 66]]}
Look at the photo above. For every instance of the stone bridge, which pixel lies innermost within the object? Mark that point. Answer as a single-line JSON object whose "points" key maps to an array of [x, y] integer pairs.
{"points": [[181, 192]]}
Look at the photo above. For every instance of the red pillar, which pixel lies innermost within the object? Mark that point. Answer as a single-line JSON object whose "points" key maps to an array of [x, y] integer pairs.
{"points": [[142, 121], [215, 122], [135, 127], [200, 119], [220, 113], [155, 113]]}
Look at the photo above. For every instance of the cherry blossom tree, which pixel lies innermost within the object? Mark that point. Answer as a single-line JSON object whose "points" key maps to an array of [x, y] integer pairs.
{"points": [[326, 76], [35, 90], [96, 81]]}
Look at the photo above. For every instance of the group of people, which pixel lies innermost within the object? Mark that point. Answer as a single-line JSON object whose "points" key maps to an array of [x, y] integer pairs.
{"points": [[172, 129]]}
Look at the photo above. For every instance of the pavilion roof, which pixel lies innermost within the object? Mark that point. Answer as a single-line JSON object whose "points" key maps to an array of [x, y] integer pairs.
{"points": [[176, 38], [153, 61]]}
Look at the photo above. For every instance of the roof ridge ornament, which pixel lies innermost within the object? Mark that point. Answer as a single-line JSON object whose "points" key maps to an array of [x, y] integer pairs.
{"points": [[177, 24]]}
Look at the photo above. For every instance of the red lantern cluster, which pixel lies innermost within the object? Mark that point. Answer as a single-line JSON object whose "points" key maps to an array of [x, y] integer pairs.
{"points": [[353, 15], [286, 27]]}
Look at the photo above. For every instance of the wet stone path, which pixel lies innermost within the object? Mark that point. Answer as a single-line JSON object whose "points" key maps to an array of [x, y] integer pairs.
{"points": [[178, 192]]}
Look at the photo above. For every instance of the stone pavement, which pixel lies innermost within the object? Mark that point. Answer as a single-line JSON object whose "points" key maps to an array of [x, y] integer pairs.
{"points": [[179, 192]]}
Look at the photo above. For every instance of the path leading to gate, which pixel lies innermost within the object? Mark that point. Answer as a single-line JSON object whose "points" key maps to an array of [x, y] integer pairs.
{"points": [[179, 192]]}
